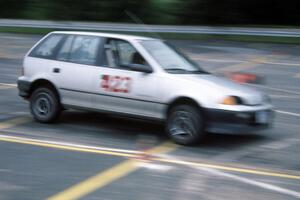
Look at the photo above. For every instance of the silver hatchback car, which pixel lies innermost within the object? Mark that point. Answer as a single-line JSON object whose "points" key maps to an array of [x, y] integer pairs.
{"points": [[140, 77]]}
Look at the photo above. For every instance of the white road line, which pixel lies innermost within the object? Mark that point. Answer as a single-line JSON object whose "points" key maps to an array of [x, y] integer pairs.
{"points": [[288, 113], [275, 96], [13, 37], [275, 89], [279, 63], [297, 75], [166, 168], [156, 167], [73, 145], [8, 84], [281, 144], [266, 186], [219, 60]]}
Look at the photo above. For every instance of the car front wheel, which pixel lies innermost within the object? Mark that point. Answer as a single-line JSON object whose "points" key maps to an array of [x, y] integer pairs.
{"points": [[185, 125]]}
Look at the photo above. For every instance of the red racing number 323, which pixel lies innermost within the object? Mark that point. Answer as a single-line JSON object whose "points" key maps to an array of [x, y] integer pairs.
{"points": [[116, 84]]}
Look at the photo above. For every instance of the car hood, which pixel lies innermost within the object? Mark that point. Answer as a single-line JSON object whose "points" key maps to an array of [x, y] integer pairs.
{"points": [[221, 87]]}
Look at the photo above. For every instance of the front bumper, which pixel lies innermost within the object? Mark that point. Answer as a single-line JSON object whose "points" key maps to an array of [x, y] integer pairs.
{"points": [[24, 88], [238, 122]]}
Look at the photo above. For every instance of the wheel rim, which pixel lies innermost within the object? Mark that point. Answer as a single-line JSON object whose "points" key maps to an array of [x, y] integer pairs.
{"points": [[42, 106], [182, 125]]}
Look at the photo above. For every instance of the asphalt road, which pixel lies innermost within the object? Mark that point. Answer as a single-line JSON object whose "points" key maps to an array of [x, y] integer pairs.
{"points": [[94, 156]]}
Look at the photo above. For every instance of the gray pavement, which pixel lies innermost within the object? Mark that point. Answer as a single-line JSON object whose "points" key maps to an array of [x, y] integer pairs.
{"points": [[39, 170], [29, 172]]}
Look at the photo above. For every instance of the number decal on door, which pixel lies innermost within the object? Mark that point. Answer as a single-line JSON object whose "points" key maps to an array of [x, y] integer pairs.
{"points": [[116, 84]]}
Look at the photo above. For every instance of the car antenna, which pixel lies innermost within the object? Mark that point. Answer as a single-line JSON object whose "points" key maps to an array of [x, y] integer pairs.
{"points": [[139, 22]]}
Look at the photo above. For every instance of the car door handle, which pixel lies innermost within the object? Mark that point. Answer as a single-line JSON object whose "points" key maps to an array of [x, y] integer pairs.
{"points": [[56, 70]]}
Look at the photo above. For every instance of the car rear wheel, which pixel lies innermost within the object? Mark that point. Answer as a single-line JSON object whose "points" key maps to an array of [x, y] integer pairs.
{"points": [[185, 125], [44, 105]]}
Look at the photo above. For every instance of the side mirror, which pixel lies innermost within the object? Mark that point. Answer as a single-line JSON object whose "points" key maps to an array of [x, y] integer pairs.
{"points": [[140, 68]]}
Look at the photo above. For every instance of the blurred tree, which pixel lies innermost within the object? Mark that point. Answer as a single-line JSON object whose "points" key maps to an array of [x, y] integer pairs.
{"points": [[162, 11], [37, 9], [12, 8], [211, 12]]}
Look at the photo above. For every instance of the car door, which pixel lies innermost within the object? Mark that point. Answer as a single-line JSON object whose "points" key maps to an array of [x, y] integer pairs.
{"points": [[73, 69], [120, 89]]}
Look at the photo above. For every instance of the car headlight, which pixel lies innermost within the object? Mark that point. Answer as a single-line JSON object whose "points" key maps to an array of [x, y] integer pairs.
{"points": [[232, 100]]}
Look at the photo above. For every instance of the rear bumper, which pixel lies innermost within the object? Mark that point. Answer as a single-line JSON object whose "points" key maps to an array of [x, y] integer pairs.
{"points": [[238, 122], [24, 88]]}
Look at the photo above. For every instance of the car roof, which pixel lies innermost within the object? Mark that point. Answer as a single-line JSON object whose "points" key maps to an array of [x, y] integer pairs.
{"points": [[111, 35]]}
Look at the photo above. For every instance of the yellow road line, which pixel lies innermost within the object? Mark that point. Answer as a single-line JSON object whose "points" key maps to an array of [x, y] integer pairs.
{"points": [[14, 122], [70, 147], [96, 182], [242, 66], [165, 148], [104, 178], [231, 169], [65, 147]]}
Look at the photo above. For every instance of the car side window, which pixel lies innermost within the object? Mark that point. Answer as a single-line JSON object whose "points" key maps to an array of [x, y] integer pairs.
{"points": [[120, 54], [46, 49], [64, 52], [85, 50]]}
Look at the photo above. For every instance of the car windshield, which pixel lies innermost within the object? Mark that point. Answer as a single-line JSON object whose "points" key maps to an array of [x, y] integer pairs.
{"points": [[170, 59]]}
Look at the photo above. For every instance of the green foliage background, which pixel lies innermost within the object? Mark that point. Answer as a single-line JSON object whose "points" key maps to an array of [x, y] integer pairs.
{"points": [[210, 12]]}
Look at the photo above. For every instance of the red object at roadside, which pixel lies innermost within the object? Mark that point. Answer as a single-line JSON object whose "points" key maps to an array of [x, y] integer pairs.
{"points": [[243, 77]]}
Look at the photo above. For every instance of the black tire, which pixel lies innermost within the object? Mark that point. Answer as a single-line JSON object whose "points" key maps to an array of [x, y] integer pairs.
{"points": [[185, 125], [44, 105]]}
